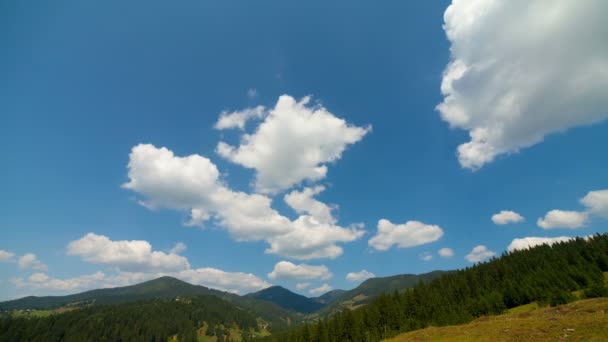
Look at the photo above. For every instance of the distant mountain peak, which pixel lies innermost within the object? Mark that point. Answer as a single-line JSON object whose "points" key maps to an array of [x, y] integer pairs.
{"points": [[287, 299]]}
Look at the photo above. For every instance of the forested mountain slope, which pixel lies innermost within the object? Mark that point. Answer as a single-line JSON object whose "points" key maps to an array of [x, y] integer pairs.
{"points": [[154, 320], [288, 300], [543, 274], [164, 287], [373, 287]]}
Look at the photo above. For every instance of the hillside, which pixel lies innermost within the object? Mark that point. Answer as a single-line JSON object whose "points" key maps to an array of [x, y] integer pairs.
{"points": [[153, 320], [164, 287], [330, 296], [548, 275], [287, 299], [373, 287], [584, 320]]}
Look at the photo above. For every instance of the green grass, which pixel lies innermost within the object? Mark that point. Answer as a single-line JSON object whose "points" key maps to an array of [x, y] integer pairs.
{"points": [[584, 320], [524, 308]]}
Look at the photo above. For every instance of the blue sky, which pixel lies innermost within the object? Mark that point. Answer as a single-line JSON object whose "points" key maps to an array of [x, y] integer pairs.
{"points": [[84, 84]]}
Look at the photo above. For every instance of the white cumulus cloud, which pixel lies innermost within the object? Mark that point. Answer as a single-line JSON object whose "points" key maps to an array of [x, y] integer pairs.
{"points": [[134, 255], [320, 290], [30, 261], [531, 241], [192, 184], [446, 252], [311, 239], [596, 202], [359, 276], [412, 233], [288, 270], [563, 219], [6, 256], [520, 70], [295, 142], [304, 203], [41, 281], [426, 256], [238, 119], [506, 217], [479, 253]]}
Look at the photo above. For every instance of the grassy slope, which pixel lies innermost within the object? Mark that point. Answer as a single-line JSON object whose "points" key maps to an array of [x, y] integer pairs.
{"points": [[584, 320]]}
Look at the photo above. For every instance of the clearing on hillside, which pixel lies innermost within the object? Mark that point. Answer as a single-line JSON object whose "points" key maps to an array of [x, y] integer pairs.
{"points": [[584, 320]]}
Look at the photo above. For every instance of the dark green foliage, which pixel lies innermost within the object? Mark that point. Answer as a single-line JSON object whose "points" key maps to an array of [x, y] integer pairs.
{"points": [[164, 287], [287, 299], [373, 287], [546, 274], [154, 320]]}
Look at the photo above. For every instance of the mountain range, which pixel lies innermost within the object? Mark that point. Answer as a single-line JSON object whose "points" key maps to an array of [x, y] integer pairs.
{"points": [[275, 305]]}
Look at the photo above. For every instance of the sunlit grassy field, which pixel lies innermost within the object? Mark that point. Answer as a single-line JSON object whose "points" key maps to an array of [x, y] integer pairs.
{"points": [[584, 320]]}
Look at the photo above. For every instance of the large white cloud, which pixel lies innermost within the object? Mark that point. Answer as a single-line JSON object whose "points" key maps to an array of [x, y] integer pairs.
{"points": [[410, 234], [320, 290], [563, 219], [359, 276], [311, 239], [30, 261], [506, 217], [520, 70], [294, 143], [479, 253], [596, 202], [192, 183], [6, 256], [134, 255], [531, 241], [304, 203], [291, 271]]}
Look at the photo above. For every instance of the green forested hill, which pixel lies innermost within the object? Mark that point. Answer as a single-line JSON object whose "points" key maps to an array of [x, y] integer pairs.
{"points": [[330, 296], [164, 287], [373, 287], [545, 274], [287, 299], [154, 320]]}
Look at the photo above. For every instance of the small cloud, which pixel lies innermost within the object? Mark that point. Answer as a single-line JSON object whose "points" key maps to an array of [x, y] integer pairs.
{"points": [[359, 276], [302, 286], [506, 217], [288, 270], [532, 241], [426, 256], [252, 93], [479, 253], [133, 255], [238, 119], [563, 219], [446, 252], [6, 256], [320, 290], [597, 202], [409, 234], [30, 261]]}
